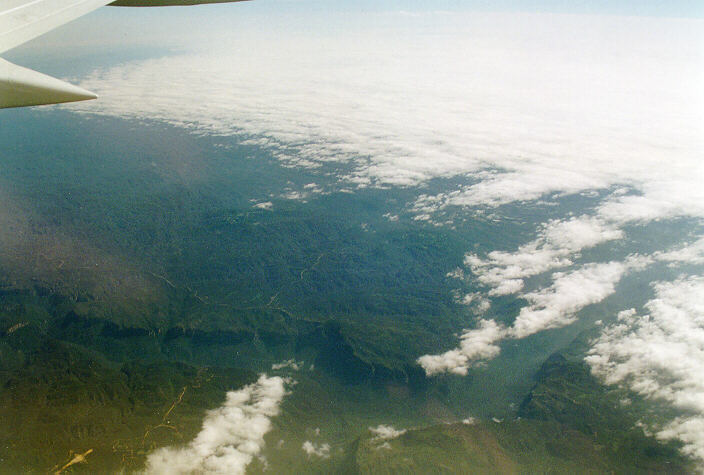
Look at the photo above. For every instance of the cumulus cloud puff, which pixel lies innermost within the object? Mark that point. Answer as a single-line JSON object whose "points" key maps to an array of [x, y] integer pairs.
{"points": [[476, 344], [661, 356], [292, 363], [314, 450], [232, 435], [386, 432]]}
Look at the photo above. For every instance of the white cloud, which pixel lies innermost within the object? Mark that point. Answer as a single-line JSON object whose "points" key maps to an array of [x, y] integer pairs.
{"points": [[477, 344], [385, 432], [232, 435], [264, 205], [689, 254], [295, 195], [508, 286], [313, 188], [293, 364], [661, 357], [542, 98], [557, 242], [579, 233], [551, 307], [312, 449], [557, 305]]}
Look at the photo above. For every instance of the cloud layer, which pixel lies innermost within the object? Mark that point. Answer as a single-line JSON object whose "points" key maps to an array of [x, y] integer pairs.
{"points": [[543, 98], [232, 435]]}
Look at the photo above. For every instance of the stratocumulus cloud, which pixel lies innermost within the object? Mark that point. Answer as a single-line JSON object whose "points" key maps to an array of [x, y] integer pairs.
{"points": [[232, 435], [661, 356], [557, 305], [557, 243], [541, 98], [692, 253], [551, 307]]}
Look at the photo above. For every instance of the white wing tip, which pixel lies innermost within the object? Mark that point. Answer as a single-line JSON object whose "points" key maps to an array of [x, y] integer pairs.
{"points": [[21, 87]]}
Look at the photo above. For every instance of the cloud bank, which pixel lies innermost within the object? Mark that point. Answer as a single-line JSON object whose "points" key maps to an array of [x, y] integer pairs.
{"points": [[661, 356], [542, 100], [232, 435]]}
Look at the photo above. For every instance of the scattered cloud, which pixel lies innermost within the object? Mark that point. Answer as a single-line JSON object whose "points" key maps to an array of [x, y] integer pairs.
{"points": [[315, 450], [295, 195], [385, 432], [293, 364], [265, 205], [558, 241], [476, 344], [689, 254], [232, 435], [557, 305], [313, 188], [660, 356], [551, 307]]}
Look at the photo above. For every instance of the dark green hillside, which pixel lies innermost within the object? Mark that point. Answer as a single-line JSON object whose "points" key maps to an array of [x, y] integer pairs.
{"points": [[57, 398]]}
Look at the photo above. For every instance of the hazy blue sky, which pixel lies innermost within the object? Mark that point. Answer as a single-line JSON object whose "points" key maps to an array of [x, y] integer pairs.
{"points": [[685, 8]]}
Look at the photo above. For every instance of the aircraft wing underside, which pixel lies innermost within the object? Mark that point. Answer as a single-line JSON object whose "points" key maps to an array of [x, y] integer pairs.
{"points": [[24, 20]]}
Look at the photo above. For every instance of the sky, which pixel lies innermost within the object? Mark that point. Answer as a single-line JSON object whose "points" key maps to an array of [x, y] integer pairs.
{"points": [[546, 99], [170, 26]]}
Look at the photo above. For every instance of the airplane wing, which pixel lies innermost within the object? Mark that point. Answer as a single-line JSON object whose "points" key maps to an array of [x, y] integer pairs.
{"points": [[23, 20]]}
